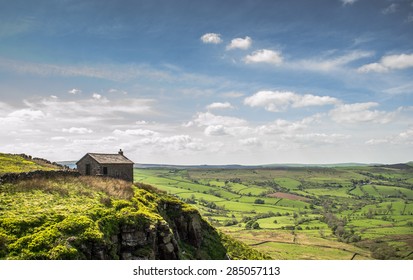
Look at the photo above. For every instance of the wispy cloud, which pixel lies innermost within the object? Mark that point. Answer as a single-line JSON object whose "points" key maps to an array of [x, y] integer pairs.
{"points": [[102, 71], [406, 88], [326, 64], [17, 26], [392, 8], [348, 2], [113, 72]]}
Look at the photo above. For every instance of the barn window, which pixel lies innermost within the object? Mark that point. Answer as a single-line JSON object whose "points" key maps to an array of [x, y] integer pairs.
{"points": [[105, 170]]}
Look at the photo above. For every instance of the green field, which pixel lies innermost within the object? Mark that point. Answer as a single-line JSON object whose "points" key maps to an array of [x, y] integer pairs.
{"points": [[302, 212]]}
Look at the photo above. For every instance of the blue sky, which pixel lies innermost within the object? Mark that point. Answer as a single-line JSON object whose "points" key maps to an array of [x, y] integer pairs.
{"points": [[208, 82]]}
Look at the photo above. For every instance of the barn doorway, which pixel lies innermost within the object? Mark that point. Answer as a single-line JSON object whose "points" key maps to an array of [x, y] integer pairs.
{"points": [[105, 170], [87, 169]]}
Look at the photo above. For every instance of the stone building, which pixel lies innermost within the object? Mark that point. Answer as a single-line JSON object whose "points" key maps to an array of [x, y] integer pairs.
{"points": [[111, 165]]}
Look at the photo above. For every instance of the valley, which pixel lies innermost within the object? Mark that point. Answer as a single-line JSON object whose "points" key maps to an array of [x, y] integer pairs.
{"points": [[345, 212]]}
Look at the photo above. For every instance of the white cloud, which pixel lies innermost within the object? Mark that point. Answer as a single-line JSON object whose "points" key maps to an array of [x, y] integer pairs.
{"points": [[135, 132], [77, 130], [75, 91], [252, 141], [174, 143], [280, 126], [27, 114], [97, 96], [359, 113], [388, 63], [208, 119], [216, 125], [219, 105], [264, 56], [403, 138], [58, 138], [348, 2], [276, 101], [240, 43], [211, 38], [215, 130]]}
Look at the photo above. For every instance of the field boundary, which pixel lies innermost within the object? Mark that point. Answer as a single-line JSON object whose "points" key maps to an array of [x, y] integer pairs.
{"points": [[38, 174]]}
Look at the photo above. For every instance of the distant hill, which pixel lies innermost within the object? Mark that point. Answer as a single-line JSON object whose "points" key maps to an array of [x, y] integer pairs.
{"points": [[398, 166], [239, 166], [72, 164]]}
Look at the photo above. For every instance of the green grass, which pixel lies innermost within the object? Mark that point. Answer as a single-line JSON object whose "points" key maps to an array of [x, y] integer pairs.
{"points": [[370, 190], [253, 190], [236, 187], [287, 183], [357, 191], [338, 192]]}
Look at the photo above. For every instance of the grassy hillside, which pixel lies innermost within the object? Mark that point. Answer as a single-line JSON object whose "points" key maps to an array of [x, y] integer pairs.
{"points": [[17, 163], [103, 218], [358, 212]]}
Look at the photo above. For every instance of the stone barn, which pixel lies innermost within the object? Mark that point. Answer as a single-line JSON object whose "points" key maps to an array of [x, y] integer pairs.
{"points": [[110, 165]]}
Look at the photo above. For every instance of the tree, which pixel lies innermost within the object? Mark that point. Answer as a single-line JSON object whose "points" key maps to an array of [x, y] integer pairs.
{"points": [[259, 201], [256, 225]]}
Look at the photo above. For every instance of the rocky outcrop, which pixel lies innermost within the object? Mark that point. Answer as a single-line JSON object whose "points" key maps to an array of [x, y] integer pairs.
{"points": [[180, 236], [153, 242]]}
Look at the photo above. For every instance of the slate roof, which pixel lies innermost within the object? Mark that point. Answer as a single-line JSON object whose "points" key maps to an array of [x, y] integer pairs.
{"points": [[110, 158]]}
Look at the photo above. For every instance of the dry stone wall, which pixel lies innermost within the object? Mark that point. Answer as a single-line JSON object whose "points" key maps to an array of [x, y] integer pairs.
{"points": [[38, 174]]}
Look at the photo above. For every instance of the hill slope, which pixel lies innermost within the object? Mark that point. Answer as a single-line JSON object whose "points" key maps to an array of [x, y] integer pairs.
{"points": [[23, 163], [102, 218]]}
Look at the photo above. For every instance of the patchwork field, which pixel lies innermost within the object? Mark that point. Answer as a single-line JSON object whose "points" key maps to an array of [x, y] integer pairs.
{"points": [[363, 212]]}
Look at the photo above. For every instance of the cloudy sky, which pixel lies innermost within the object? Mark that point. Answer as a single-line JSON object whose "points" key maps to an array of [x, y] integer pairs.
{"points": [[208, 82]]}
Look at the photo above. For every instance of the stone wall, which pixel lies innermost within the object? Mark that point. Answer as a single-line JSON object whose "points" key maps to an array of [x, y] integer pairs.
{"points": [[14, 177]]}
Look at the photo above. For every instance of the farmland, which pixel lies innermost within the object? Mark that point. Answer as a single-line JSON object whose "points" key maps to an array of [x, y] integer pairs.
{"points": [[363, 212]]}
